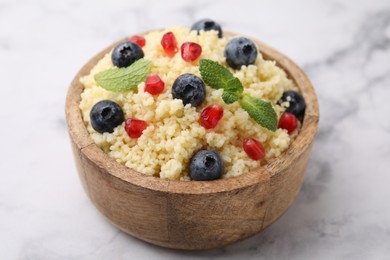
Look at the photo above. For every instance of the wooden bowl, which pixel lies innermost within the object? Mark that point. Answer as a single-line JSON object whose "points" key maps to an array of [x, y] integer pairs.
{"points": [[191, 214]]}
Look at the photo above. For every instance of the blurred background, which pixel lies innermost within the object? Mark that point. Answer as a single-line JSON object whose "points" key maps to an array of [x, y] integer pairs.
{"points": [[342, 211]]}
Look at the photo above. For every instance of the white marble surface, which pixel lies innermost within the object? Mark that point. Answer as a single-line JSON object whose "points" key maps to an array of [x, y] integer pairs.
{"points": [[343, 210]]}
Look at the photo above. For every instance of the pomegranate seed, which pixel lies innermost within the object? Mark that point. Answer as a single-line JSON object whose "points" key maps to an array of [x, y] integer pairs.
{"points": [[169, 44], [190, 51], [253, 148], [210, 116], [135, 127], [140, 40], [289, 122], [154, 85]]}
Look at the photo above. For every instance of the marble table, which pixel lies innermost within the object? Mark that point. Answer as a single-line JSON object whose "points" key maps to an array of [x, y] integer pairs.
{"points": [[343, 209]]}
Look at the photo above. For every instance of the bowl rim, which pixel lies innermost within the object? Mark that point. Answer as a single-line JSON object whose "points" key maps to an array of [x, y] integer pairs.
{"points": [[264, 174]]}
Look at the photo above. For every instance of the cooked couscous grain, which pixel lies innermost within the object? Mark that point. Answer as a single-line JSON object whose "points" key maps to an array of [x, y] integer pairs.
{"points": [[174, 134]]}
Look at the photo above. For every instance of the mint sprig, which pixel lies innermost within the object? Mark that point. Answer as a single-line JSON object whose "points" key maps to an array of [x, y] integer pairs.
{"points": [[230, 97], [217, 76], [231, 93], [261, 111], [124, 79]]}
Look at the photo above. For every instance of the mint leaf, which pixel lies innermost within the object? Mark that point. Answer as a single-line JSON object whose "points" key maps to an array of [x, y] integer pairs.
{"points": [[217, 76], [232, 91], [261, 111], [214, 74], [234, 84], [230, 97], [124, 79]]}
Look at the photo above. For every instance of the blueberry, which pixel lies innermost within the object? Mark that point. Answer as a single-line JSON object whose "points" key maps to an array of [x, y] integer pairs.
{"points": [[105, 116], [126, 54], [206, 165], [190, 89], [207, 25], [240, 51], [297, 103]]}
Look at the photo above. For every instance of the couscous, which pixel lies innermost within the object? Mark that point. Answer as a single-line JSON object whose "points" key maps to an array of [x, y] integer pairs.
{"points": [[171, 130]]}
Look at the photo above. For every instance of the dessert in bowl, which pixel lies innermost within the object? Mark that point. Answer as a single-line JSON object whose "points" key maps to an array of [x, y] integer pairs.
{"points": [[191, 139]]}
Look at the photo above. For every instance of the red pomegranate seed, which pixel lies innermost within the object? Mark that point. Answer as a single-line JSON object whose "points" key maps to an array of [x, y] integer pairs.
{"points": [[190, 51], [154, 85], [135, 127], [289, 122], [140, 40], [253, 148], [210, 116], [169, 44]]}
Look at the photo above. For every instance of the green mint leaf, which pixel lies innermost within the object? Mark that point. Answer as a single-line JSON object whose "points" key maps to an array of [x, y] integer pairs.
{"points": [[217, 76], [230, 97], [261, 111], [124, 79], [214, 74], [234, 85]]}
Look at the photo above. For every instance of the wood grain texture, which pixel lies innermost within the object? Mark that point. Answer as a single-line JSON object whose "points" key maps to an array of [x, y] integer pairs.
{"points": [[192, 215]]}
